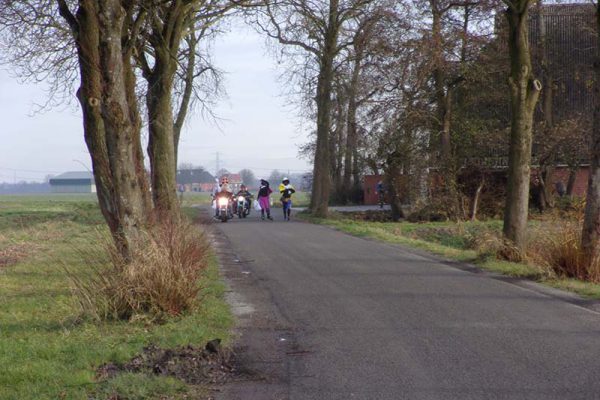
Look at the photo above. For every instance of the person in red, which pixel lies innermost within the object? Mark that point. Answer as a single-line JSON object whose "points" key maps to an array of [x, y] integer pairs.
{"points": [[264, 200]]}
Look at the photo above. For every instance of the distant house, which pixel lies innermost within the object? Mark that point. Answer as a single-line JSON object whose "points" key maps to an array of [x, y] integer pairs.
{"points": [[195, 180], [73, 182], [235, 181]]}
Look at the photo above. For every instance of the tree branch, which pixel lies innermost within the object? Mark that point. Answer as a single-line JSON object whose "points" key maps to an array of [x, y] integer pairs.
{"points": [[65, 12]]}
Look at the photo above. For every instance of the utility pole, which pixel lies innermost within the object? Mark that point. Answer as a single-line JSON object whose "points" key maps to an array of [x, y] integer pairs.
{"points": [[217, 165]]}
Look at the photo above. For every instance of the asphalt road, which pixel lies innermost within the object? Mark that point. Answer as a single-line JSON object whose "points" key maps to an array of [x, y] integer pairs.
{"points": [[374, 321]]}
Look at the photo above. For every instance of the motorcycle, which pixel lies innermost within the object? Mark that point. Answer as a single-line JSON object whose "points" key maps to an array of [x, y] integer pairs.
{"points": [[224, 207], [243, 207]]}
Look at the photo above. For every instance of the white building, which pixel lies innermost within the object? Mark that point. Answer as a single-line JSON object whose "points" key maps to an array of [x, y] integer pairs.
{"points": [[73, 182]]}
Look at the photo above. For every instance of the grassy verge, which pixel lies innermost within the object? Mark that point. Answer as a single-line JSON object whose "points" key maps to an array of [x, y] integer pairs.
{"points": [[46, 351], [462, 242], [299, 199], [189, 199]]}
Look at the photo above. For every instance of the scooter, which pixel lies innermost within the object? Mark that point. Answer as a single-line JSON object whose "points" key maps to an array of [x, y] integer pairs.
{"points": [[243, 207]]}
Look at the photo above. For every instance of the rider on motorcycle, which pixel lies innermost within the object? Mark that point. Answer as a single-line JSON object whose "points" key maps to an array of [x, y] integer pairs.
{"points": [[224, 191], [245, 193]]}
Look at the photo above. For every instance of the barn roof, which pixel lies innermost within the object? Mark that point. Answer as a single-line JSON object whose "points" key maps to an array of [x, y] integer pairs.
{"points": [[73, 178], [198, 175]]}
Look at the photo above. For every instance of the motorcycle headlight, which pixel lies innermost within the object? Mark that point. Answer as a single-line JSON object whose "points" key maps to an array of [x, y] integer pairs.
{"points": [[241, 198], [222, 201]]}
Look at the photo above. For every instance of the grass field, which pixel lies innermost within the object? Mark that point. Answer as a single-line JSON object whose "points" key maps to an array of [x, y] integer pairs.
{"points": [[46, 350], [454, 241]]}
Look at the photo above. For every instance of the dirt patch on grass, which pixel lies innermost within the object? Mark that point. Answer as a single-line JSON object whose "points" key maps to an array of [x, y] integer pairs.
{"points": [[195, 366], [12, 254]]}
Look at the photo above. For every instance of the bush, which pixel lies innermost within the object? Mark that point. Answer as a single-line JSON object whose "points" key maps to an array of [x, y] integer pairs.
{"points": [[162, 278], [428, 213]]}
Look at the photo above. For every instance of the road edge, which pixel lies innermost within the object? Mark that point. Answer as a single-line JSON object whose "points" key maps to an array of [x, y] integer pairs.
{"points": [[591, 305]]}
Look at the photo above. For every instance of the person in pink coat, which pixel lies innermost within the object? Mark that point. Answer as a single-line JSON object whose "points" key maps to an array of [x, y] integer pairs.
{"points": [[264, 200]]}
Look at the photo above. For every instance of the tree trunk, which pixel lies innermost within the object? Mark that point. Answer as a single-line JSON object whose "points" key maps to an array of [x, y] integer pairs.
{"points": [[524, 91], [476, 200], [546, 167], [335, 149], [89, 96], [186, 97], [439, 80], [161, 143], [392, 179], [165, 39], [546, 180], [319, 202], [571, 181], [110, 119], [352, 135], [590, 236], [443, 104], [119, 130]]}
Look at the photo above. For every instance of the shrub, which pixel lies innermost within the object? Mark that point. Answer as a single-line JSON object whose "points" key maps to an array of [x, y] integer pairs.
{"points": [[162, 278]]}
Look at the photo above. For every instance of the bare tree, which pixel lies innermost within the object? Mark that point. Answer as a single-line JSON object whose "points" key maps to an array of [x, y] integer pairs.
{"points": [[365, 46], [111, 120], [66, 38], [314, 28], [172, 28], [524, 93], [248, 177], [99, 41]]}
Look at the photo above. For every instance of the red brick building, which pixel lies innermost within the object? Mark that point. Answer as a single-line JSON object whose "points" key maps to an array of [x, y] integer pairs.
{"points": [[561, 174]]}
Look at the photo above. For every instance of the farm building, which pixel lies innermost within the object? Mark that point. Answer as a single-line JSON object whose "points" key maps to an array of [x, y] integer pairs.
{"points": [[73, 182], [195, 180], [564, 47]]}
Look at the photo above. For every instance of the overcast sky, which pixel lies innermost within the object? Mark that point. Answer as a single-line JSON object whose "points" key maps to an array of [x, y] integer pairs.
{"points": [[258, 131]]}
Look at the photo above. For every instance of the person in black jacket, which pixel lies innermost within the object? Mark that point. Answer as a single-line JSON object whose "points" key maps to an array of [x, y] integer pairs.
{"points": [[286, 191], [264, 199]]}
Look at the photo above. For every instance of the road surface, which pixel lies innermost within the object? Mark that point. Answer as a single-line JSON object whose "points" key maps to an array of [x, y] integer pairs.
{"points": [[324, 315]]}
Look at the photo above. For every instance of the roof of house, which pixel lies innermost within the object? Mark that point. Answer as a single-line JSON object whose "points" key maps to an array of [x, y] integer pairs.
{"points": [[234, 178], [188, 176], [73, 178]]}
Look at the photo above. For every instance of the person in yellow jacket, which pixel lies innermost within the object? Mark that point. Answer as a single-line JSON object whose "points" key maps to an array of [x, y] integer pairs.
{"points": [[286, 191]]}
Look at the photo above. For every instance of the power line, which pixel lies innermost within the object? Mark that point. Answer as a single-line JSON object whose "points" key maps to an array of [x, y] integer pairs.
{"points": [[29, 170], [15, 177]]}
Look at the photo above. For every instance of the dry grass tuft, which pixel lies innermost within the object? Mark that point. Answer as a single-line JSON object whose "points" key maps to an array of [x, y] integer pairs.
{"points": [[558, 248], [487, 244], [508, 251], [490, 244], [162, 278]]}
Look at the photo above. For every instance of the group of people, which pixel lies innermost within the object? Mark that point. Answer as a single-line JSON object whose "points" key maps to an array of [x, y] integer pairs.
{"points": [[286, 191]]}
